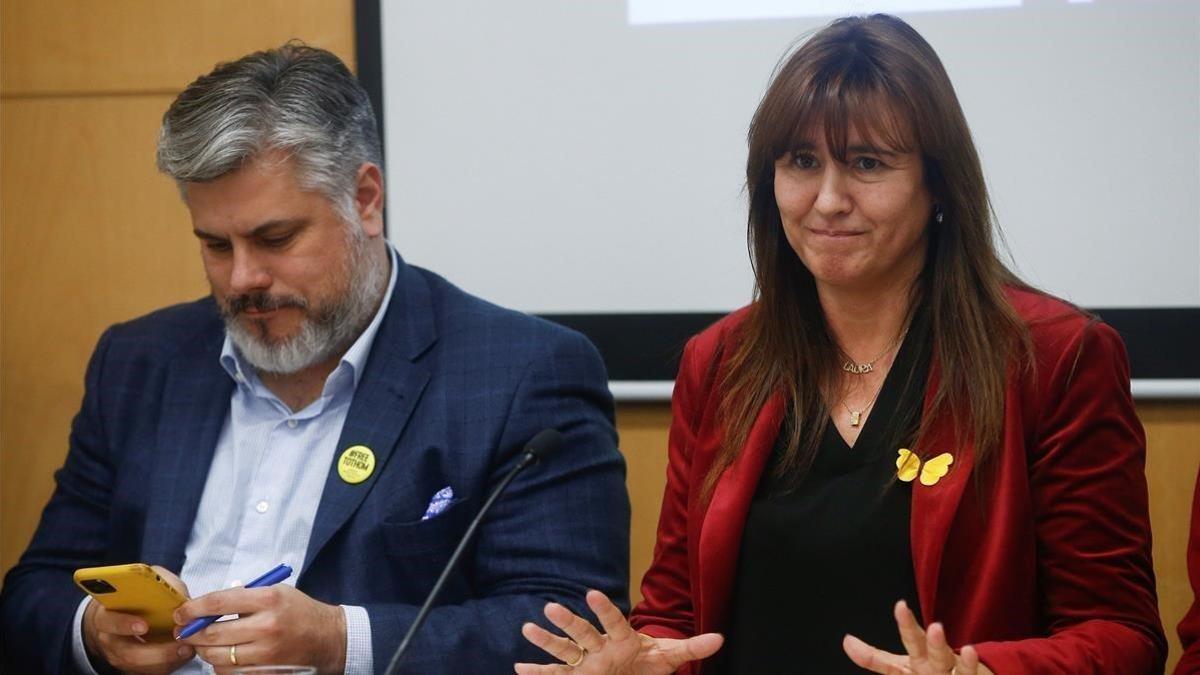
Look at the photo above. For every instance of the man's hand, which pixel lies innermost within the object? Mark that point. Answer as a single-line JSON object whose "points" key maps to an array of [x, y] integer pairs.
{"points": [[275, 625], [115, 638]]}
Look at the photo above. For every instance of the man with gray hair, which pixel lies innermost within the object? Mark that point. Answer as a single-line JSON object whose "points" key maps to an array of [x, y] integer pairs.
{"points": [[329, 407]]}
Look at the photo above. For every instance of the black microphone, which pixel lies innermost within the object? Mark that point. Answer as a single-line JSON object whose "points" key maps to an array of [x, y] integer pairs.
{"points": [[538, 448]]}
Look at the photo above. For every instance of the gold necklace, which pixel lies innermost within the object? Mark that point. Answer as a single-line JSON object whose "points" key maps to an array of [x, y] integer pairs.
{"points": [[855, 368], [860, 369], [856, 415]]}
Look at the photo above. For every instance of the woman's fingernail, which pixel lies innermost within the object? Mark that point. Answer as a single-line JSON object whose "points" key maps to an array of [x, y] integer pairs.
{"points": [[139, 628]]}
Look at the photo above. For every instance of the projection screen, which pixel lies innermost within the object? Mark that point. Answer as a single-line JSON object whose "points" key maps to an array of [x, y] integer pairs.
{"points": [[584, 160]]}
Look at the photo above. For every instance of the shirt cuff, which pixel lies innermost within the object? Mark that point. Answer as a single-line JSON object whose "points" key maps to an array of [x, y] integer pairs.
{"points": [[77, 649], [359, 658]]}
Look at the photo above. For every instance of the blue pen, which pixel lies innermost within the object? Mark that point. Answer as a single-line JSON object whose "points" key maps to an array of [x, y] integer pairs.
{"points": [[269, 579]]}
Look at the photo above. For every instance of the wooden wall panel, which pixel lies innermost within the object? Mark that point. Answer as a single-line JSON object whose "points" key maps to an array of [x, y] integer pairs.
{"points": [[1173, 457], [643, 431], [90, 233], [74, 46]]}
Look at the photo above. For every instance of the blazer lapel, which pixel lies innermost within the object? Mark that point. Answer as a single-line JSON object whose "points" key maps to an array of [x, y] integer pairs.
{"points": [[387, 393], [934, 506], [196, 397], [725, 518]]}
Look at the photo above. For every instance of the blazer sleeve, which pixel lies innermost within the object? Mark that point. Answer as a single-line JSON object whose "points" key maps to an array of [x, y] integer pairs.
{"points": [[1088, 490], [561, 529], [666, 609], [1189, 627], [39, 599]]}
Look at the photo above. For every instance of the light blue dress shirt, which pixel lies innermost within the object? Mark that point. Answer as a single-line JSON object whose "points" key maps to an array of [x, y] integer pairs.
{"points": [[264, 485]]}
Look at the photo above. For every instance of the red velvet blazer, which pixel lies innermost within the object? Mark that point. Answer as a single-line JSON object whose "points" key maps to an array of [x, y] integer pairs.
{"points": [[1189, 628], [1047, 570]]}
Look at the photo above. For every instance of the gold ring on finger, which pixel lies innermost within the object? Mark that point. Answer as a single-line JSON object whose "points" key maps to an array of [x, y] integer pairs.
{"points": [[578, 659], [233, 655]]}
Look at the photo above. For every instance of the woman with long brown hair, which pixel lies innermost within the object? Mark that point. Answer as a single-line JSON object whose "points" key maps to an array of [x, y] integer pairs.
{"points": [[897, 431]]}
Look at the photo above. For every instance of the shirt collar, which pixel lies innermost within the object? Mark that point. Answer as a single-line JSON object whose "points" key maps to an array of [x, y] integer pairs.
{"points": [[355, 358]]}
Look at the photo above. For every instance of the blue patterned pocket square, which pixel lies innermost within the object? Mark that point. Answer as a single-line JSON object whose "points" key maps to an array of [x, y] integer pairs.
{"points": [[441, 499]]}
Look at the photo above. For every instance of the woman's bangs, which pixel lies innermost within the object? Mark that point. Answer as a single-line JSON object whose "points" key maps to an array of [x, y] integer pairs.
{"points": [[843, 108]]}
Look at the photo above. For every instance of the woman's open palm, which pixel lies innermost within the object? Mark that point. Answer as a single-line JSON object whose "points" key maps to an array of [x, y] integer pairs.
{"points": [[620, 651]]}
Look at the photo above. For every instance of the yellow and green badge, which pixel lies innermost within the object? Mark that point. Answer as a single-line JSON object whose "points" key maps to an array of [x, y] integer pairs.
{"points": [[356, 464]]}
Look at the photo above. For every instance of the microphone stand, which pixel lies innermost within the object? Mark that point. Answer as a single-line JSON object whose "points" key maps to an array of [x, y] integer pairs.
{"points": [[529, 457]]}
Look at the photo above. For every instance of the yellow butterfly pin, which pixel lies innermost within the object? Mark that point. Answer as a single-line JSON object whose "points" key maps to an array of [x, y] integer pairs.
{"points": [[908, 465]]}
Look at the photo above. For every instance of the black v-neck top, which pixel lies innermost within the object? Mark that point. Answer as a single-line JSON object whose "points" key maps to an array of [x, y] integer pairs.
{"points": [[830, 554]]}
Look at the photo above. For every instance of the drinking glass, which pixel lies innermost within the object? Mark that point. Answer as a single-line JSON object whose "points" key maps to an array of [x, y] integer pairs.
{"points": [[275, 670]]}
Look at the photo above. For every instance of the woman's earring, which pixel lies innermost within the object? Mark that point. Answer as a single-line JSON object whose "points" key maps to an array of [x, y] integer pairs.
{"points": [[938, 216]]}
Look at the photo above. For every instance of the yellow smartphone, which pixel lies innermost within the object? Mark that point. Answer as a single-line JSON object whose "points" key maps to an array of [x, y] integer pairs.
{"points": [[134, 589]]}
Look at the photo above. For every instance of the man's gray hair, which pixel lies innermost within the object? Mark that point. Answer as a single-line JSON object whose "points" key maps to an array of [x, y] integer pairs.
{"points": [[298, 99]]}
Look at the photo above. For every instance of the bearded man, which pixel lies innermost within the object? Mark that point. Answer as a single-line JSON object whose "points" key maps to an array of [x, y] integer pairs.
{"points": [[329, 407]]}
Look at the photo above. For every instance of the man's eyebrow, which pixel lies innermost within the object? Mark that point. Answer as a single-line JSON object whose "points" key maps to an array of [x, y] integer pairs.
{"points": [[201, 234], [280, 223]]}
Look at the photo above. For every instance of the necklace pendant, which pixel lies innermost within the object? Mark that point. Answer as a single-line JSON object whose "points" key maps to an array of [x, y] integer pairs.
{"points": [[857, 368], [855, 418]]}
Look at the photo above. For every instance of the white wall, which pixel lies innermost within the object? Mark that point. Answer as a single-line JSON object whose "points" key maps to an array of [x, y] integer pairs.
{"points": [[551, 156]]}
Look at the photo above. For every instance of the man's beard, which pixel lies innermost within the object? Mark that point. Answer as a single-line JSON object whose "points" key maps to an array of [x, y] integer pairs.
{"points": [[325, 331]]}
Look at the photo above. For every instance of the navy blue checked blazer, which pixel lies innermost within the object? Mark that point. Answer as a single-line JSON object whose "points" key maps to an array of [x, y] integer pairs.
{"points": [[453, 389]]}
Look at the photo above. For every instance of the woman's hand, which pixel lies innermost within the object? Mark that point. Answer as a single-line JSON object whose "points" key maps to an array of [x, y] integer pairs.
{"points": [[621, 651], [928, 652]]}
